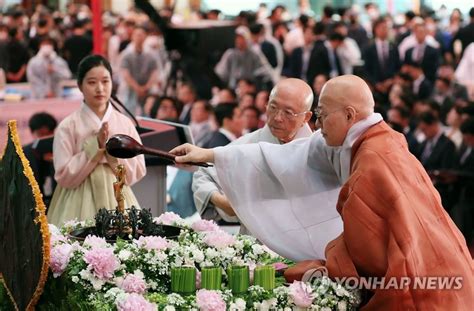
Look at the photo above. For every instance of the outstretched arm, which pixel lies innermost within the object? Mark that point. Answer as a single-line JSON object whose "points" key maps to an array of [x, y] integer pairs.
{"points": [[190, 153]]}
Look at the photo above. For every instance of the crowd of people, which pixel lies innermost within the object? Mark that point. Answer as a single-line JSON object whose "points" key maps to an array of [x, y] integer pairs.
{"points": [[420, 71]]}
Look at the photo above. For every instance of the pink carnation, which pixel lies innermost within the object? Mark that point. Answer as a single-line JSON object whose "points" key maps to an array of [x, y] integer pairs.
{"points": [[95, 241], [209, 300], [152, 242], [135, 302], [302, 294], [205, 225], [102, 261], [60, 255], [168, 218], [219, 239], [133, 284], [280, 266]]}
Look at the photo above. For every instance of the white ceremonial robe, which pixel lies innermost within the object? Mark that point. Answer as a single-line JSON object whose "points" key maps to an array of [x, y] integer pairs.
{"points": [[286, 194], [205, 179]]}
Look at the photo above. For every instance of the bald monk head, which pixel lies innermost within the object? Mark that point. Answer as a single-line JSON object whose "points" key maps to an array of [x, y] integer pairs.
{"points": [[344, 100], [288, 108]]}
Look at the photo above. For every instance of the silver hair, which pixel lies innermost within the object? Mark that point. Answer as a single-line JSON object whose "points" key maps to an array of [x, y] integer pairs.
{"points": [[308, 101]]}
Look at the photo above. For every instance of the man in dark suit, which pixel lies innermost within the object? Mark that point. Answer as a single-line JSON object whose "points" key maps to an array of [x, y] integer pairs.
{"points": [[423, 54], [463, 211], [422, 87], [318, 56], [42, 126], [187, 95], [381, 59], [399, 119], [267, 48], [437, 152], [229, 119]]}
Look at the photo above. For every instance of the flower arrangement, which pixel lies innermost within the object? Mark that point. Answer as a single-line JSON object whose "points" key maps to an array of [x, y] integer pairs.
{"points": [[137, 274]]}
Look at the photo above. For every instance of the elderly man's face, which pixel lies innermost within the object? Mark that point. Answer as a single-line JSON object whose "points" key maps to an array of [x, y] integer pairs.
{"points": [[332, 120], [286, 113]]}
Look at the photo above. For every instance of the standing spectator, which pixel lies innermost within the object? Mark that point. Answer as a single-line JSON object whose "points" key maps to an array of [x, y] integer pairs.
{"points": [[78, 46], [295, 38], [42, 31], [46, 70], [428, 57], [349, 52], [381, 58], [18, 57], [139, 72], [356, 31], [240, 61], [466, 34]]}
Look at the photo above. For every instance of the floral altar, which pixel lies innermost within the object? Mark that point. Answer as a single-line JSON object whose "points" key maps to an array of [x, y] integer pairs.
{"points": [[136, 275]]}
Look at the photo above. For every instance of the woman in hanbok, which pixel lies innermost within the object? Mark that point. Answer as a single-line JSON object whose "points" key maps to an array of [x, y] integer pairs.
{"points": [[84, 169]]}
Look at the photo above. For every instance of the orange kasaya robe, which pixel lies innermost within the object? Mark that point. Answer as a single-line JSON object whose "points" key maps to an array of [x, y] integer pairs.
{"points": [[395, 226]]}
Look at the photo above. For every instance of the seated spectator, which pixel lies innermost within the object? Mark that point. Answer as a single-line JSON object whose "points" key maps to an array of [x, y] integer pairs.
{"points": [[251, 116], [225, 95], [463, 213], [201, 125], [442, 95], [245, 86], [41, 126], [229, 120], [436, 152], [457, 90], [165, 108], [422, 87], [187, 95], [454, 121], [399, 118], [261, 100], [46, 70], [246, 100]]}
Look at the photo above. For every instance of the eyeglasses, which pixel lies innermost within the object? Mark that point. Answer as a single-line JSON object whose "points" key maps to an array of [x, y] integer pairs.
{"points": [[287, 114], [320, 116]]}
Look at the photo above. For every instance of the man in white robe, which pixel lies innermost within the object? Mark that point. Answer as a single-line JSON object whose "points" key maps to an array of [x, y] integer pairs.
{"points": [[289, 111]]}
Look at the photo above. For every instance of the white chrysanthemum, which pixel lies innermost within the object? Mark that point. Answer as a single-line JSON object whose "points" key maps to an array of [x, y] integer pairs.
{"points": [[198, 256], [124, 254], [342, 305]]}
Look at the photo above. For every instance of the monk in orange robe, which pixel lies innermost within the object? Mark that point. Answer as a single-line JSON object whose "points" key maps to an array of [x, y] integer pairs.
{"points": [[395, 230], [394, 223]]}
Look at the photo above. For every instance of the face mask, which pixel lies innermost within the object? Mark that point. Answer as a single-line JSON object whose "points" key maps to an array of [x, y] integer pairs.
{"points": [[46, 50]]}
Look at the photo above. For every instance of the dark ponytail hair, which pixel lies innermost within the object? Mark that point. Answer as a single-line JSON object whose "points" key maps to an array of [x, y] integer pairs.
{"points": [[92, 61]]}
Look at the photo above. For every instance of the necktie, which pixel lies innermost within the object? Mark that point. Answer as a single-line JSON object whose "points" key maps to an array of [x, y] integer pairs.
{"points": [[427, 151], [338, 64]]}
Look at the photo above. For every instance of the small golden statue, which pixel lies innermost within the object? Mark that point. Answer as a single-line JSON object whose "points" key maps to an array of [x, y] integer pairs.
{"points": [[118, 187]]}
